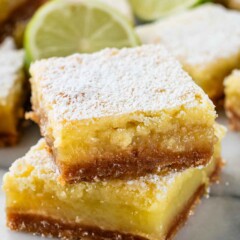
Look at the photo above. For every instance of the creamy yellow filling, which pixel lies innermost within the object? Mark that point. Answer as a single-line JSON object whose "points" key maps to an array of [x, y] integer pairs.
{"points": [[232, 92], [151, 220], [11, 107], [177, 132], [211, 76]]}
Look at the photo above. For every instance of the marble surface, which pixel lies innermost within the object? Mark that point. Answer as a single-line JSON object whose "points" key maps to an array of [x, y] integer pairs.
{"points": [[215, 218]]}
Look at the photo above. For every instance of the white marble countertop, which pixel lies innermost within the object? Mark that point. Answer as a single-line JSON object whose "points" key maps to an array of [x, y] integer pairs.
{"points": [[215, 218]]}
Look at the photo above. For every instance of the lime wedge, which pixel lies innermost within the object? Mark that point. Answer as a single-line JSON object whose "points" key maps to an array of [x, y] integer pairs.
{"points": [[122, 6], [149, 10], [61, 28]]}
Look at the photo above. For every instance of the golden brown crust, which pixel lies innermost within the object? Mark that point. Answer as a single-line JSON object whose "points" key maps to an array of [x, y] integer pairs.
{"points": [[215, 176], [7, 139], [130, 165], [234, 118], [219, 103], [48, 226]]}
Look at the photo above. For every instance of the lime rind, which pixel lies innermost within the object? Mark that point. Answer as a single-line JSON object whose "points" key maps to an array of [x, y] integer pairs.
{"points": [[47, 32], [149, 10]]}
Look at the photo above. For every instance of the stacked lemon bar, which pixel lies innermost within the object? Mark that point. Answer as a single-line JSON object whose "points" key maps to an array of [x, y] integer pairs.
{"points": [[12, 92], [199, 39], [232, 99], [130, 144]]}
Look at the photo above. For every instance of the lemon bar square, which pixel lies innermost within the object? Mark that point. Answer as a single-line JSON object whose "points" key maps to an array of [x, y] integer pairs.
{"points": [[12, 92], [232, 99], [150, 207], [206, 40], [121, 114]]}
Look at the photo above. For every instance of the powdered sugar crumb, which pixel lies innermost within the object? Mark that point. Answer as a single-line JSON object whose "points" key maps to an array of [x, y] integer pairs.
{"points": [[197, 36], [113, 82], [11, 63]]}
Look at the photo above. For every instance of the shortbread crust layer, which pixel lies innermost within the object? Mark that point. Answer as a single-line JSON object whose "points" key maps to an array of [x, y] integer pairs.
{"points": [[8, 139], [130, 165], [234, 118]]}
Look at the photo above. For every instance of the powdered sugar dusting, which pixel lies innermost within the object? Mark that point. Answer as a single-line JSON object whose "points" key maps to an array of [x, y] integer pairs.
{"points": [[11, 63], [113, 82], [37, 162], [198, 36]]}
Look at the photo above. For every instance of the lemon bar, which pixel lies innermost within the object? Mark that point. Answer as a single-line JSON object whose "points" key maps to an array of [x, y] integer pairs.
{"points": [[8, 6], [232, 99], [121, 113], [150, 207], [234, 4], [12, 95], [200, 40]]}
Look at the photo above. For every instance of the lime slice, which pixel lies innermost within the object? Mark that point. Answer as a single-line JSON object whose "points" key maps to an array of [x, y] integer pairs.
{"points": [[122, 6], [148, 10], [61, 28]]}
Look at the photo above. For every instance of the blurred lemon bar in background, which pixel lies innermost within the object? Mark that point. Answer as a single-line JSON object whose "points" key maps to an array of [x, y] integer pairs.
{"points": [[206, 40], [121, 113], [151, 207], [8, 6], [232, 99], [234, 4], [12, 92]]}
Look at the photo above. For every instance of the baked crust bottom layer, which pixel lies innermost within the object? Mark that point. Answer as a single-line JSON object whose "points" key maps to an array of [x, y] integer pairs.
{"points": [[234, 119], [7, 140], [49, 227], [132, 165]]}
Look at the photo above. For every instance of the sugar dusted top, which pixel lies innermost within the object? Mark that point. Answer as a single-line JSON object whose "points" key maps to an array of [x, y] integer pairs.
{"points": [[11, 62], [113, 82], [197, 36]]}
